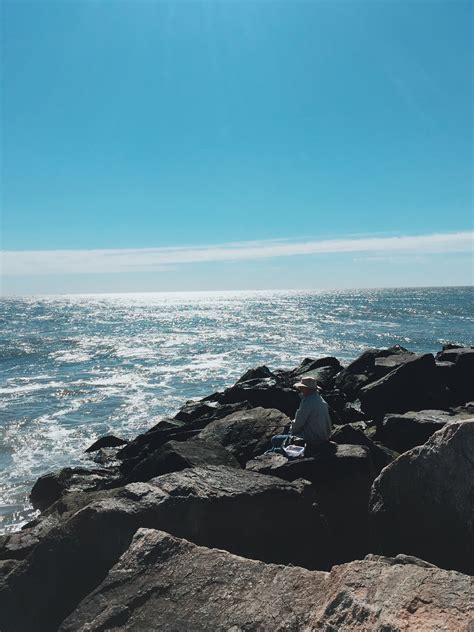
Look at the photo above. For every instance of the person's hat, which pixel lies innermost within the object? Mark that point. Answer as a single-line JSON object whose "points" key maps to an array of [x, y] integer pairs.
{"points": [[308, 382]]}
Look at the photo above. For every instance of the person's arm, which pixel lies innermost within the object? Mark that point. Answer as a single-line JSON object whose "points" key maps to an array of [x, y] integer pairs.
{"points": [[301, 418]]}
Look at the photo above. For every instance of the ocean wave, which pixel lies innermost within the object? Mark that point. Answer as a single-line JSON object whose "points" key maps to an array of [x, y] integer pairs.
{"points": [[75, 368]]}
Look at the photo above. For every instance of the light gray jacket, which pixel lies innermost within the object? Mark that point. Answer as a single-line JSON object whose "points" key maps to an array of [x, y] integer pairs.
{"points": [[312, 420]]}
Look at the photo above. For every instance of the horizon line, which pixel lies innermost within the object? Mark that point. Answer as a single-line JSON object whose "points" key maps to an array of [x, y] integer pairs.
{"points": [[242, 291]]}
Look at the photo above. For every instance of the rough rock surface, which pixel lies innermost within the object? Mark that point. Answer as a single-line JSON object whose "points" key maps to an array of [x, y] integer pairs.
{"points": [[51, 487], [263, 392], [408, 430], [174, 430], [108, 441], [461, 381], [247, 434], [165, 583], [175, 456], [414, 385], [363, 370], [342, 478], [423, 503], [352, 435], [249, 514]]}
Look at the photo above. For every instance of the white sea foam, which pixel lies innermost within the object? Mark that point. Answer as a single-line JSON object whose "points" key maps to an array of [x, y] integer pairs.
{"points": [[118, 363]]}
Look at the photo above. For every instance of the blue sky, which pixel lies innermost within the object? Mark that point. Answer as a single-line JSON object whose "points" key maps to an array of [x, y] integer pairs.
{"points": [[137, 126]]}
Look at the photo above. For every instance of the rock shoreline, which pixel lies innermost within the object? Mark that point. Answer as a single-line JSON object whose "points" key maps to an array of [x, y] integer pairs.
{"points": [[190, 526]]}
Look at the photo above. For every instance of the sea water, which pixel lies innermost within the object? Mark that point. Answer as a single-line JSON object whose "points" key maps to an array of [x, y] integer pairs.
{"points": [[73, 368]]}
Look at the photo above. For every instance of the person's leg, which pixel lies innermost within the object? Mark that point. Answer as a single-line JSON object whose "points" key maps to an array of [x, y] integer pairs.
{"points": [[279, 440]]}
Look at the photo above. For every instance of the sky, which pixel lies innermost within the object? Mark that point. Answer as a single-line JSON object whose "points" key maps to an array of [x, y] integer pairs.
{"points": [[203, 145]]}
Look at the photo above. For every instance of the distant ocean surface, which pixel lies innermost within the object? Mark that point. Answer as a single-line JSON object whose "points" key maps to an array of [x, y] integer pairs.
{"points": [[73, 368]]}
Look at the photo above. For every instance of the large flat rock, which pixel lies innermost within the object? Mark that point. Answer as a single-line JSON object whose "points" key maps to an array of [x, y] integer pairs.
{"points": [[423, 503], [169, 584], [249, 514]]}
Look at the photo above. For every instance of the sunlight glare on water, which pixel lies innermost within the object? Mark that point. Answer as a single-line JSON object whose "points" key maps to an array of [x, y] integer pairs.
{"points": [[76, 367]]}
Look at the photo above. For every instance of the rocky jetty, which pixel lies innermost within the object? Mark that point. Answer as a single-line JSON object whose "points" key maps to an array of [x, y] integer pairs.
{"points": [[191, 526]]}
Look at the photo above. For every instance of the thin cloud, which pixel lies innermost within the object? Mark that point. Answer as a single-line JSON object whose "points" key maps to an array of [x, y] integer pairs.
{"points": [[52, 262]]}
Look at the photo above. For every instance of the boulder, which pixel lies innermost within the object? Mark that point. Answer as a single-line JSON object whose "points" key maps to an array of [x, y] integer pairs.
{"points": [[352, 412], [363, 369], [109, 441], [248, 433], [461, 381], [408, 430], [342, 477], [422, 504], [175, 456], [324, 375], [311, 364], [146, 443], [50, 487], [350, 434], [166, 583], [249, 514], [414, 385], [264, 393], [256, 374]]}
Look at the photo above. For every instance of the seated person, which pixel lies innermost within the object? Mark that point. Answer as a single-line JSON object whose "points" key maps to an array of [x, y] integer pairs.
{"points": [[312, 422]]}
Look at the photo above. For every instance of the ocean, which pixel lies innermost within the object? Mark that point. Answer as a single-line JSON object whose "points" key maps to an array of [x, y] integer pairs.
{"points": [[73, 368]]}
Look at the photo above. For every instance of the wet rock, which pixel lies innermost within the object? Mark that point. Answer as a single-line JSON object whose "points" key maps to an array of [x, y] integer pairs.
{"points": [[109, 441], [246, 513], [169, 584], [175, 456], [413, 385], [50, 487], [352, 435], [408, 430], [422, 504], [247, 434]]}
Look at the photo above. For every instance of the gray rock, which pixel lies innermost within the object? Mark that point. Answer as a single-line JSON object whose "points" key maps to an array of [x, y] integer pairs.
{"points": [[51, 487], [175, 456], [165, 583], [247, 434], [246, 513], [342, 477], [264, 393], [352, 435], [174, 430], [461, 377], [414, 385], [256, 374], [423, 503], [363, 369], [409, 430], [109, 441]]}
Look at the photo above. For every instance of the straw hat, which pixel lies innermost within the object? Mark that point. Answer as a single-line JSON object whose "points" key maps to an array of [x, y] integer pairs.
{"points": [[308, 382]]}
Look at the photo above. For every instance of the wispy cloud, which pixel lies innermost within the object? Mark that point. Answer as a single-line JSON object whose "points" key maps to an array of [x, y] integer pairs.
{"points": [[52, 262]]}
